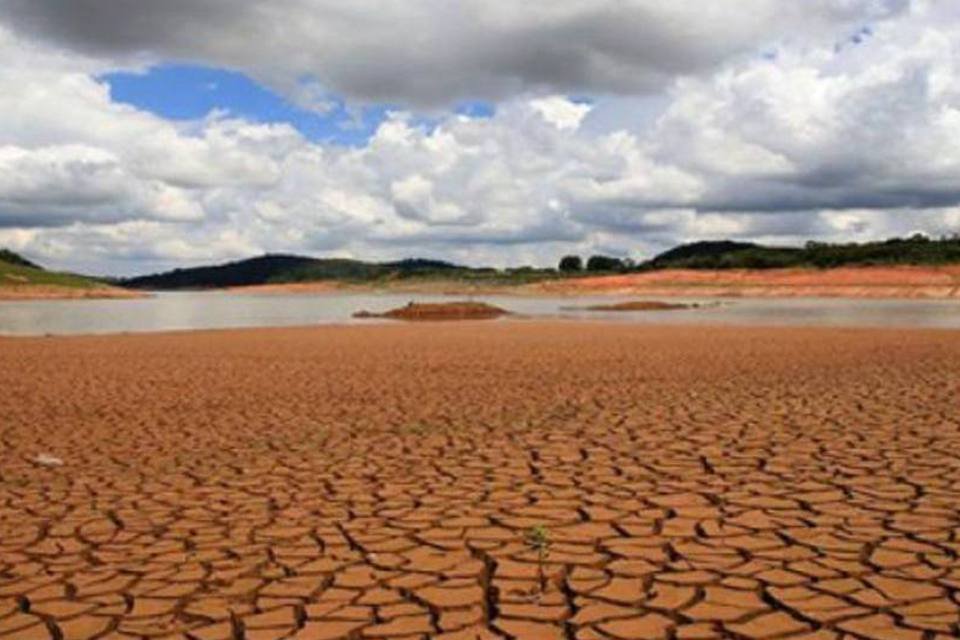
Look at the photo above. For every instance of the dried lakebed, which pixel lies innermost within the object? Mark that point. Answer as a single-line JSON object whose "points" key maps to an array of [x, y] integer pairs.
{"points": [[383, 482]]}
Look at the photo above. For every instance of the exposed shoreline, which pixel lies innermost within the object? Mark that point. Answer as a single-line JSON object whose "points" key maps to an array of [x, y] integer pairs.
{"points": [[899, 282], [842, 282], [509, 320], [53, 292]]}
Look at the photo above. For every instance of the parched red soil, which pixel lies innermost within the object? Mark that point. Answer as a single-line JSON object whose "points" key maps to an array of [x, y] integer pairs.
{"points": [[844, 282], [53, 292], [381, 481], [436, 311], [847, 282]]}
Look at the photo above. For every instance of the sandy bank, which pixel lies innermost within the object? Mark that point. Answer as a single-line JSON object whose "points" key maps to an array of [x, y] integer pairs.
{"points": [[636, 305], [439, 311], [52, 292], [847, 282]]}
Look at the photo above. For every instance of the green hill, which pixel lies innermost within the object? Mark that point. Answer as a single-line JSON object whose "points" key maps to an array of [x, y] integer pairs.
{"points": [[16, 271], [10, 257], [724, 254], [286, 269], [282, 269], [915, 250]]}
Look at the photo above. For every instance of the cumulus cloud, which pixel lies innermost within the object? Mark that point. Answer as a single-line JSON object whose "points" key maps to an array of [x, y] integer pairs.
{"points": [[69, 183], [771, 136], [561, 112], [859, 128], [434, 52]]}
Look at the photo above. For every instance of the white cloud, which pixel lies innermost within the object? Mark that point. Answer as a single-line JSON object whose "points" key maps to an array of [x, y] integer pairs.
{"points": [[560, 111], [67, 183], [855, 141], [865, 126], [435, 52]]}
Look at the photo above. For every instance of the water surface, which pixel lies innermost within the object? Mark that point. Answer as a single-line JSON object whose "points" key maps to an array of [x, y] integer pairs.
{"points": [[217, 310]]}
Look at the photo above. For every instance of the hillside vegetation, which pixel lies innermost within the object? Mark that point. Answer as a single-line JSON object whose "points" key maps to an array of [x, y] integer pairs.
{"points": [[16, 259], [17, 271], [287, 269], [916, 250], [278, 269]]}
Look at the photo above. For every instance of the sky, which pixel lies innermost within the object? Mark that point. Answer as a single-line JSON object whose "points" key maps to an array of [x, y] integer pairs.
{"points": [[137, 137]]}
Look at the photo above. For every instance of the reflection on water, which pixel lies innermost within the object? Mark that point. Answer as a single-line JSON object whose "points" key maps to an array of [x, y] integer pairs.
{"points": [[208, 310]]}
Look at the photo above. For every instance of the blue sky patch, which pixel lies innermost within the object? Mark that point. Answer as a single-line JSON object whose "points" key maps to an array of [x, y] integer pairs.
{"points": [[476, 109], [187, 92]]}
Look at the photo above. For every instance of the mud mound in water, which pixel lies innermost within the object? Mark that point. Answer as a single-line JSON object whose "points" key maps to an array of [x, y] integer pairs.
{"points": [[637, 305], [439, 311]]}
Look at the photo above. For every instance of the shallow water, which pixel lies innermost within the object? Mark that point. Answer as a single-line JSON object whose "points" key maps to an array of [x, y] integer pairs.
{"points": [[216, 310]]}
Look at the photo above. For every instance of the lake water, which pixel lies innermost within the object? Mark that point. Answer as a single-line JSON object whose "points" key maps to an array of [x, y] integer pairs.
{"points": [[215, 310]]}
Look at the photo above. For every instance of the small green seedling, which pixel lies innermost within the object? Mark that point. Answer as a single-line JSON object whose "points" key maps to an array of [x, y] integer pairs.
{"points": [[538, 538], [417, 429]]}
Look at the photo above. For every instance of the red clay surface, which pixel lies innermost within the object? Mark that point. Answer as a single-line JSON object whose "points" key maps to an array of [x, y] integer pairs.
{"points": [[434, 311], [379, 482], [847, 282], [54, 292], [842, 282]]}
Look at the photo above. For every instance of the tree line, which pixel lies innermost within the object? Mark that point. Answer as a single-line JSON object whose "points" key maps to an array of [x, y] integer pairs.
{"points": [[917, 249]]}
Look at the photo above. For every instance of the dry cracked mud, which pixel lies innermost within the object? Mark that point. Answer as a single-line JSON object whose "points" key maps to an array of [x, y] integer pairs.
{"points": [[381, 482]]}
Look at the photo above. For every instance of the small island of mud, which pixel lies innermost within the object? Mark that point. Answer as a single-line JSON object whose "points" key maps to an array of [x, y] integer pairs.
{"points": [[636, 305], [439, 311]]}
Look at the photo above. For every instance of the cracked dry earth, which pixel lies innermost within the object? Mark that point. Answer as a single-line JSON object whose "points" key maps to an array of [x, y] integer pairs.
{"points": [[379, 482]]}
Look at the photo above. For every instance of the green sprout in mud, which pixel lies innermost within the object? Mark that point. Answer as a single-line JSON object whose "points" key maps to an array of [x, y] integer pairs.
{"points": [[417, 428], [538, 539]]}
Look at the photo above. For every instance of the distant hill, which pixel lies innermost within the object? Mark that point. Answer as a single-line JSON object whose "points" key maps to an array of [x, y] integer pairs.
{"points": [[915, 250], [17, 271], [723, 254], [282, 269], [12, 258], [703, 250]]}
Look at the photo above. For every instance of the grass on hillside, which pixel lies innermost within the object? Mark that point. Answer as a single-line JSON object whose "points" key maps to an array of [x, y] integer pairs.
{"points": [[13, 275], [479, 277]]}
